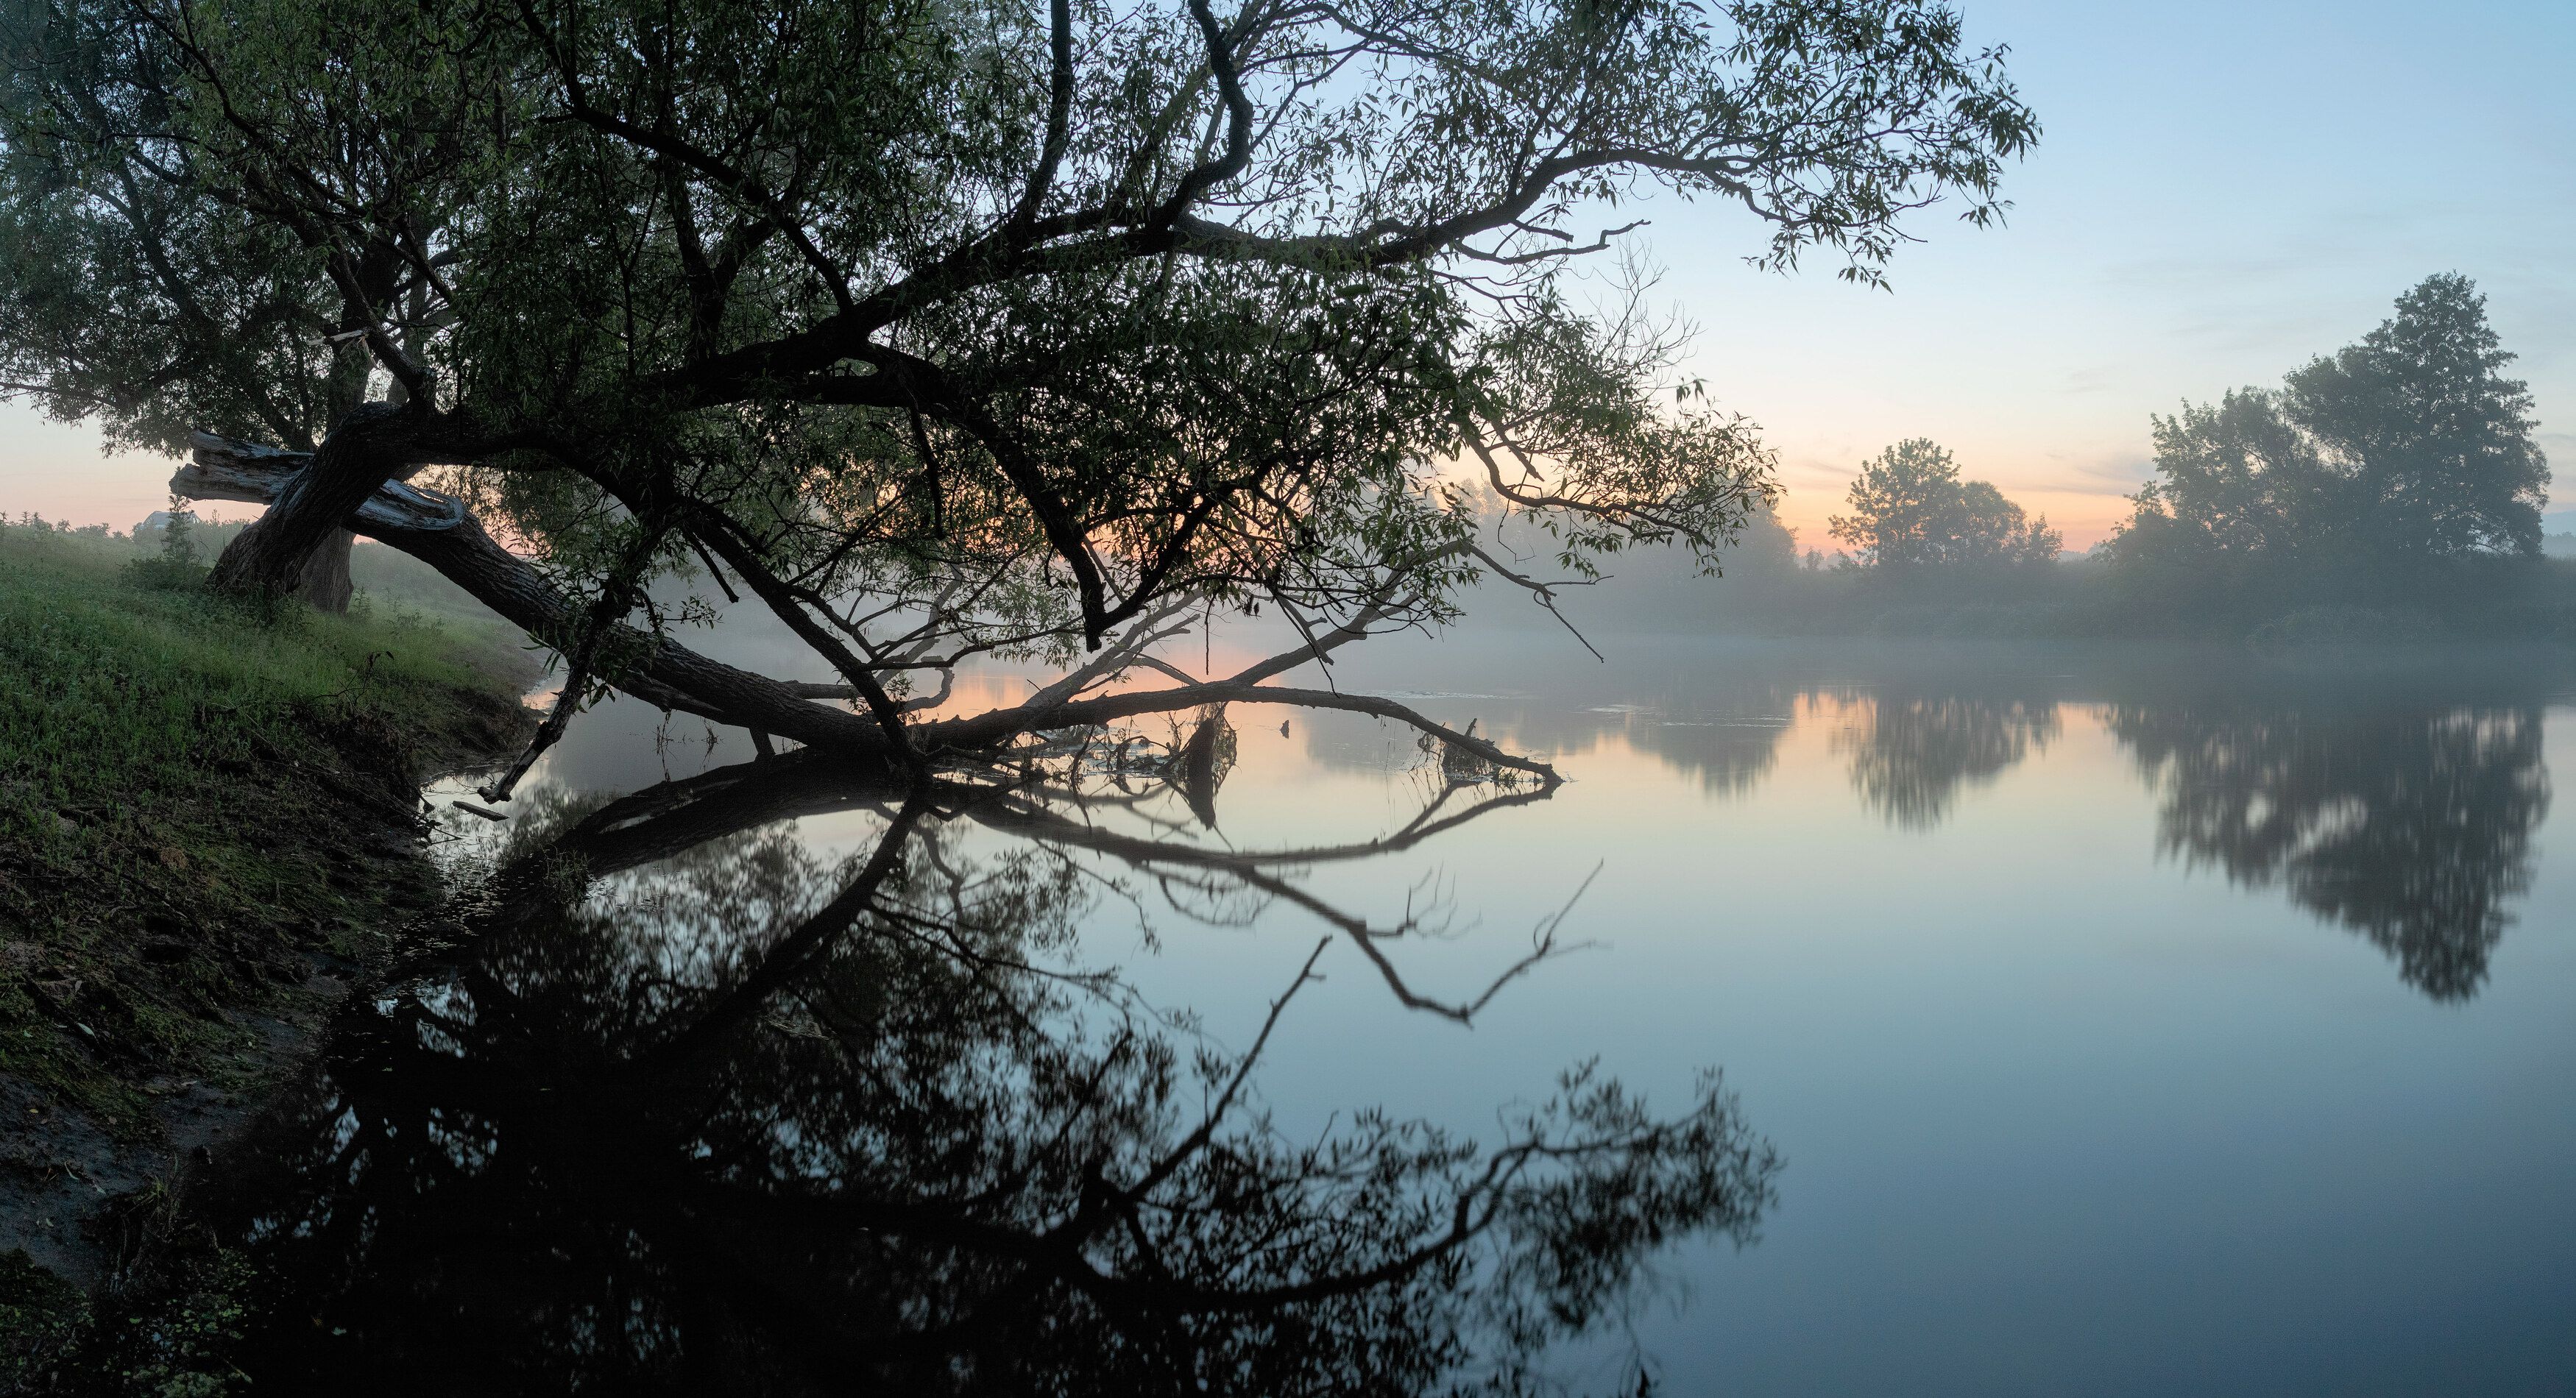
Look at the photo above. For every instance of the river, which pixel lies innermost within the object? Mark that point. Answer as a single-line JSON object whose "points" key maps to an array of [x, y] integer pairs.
{"points": [[2090, 1020]]}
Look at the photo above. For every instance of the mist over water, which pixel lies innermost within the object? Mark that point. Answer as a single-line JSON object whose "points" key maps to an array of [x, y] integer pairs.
{"points": [[2125, 1020], [1323, 875]]}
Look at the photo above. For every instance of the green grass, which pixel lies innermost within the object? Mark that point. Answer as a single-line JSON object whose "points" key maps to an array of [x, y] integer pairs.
{"points": [[202, 802], [110, 675], [197, 795]]}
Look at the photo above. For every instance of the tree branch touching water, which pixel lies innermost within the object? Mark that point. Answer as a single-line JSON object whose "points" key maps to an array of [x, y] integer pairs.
{"points": [[991, 332]]}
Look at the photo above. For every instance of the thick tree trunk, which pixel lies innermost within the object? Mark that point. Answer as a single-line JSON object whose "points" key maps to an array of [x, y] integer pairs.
{"points": [[300, 546], [441, 533]]}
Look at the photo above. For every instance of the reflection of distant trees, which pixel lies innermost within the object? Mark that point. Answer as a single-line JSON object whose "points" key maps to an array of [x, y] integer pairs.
{"points": [[1730, 755], [2412, 828], [1728, 749], [1910, 755]]}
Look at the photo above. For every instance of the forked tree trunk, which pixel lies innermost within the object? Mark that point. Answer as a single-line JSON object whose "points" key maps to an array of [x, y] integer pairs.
{"points": [[301, 547], [441, 533]]}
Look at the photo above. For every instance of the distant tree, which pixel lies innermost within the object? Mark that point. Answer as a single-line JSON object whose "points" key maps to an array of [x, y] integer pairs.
{"points": [[1895, 500], [1987, 528], [1910, 509], [2238, 475], [2436, 442], [2410, 442]]}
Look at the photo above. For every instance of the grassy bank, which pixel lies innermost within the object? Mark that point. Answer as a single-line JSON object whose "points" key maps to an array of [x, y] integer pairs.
{"points": [[206, 828]]}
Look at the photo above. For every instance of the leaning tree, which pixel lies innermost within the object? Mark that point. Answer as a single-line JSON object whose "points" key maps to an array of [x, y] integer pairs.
{"points": [[943, 328]]}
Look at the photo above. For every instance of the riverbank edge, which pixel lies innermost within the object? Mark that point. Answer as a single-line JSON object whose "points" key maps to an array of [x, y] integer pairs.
{"points": [[175, 935]]}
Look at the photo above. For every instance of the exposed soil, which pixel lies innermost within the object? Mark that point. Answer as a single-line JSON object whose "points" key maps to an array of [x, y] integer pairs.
{"points": [[169, 961]]}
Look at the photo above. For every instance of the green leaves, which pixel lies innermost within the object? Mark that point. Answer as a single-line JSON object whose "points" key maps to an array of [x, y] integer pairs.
{"points": [[840, 274], [2411, 442], [1910, 509]]}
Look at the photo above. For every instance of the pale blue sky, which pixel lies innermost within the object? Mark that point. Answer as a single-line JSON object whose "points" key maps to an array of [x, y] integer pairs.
{"points": [[2224, 189]]}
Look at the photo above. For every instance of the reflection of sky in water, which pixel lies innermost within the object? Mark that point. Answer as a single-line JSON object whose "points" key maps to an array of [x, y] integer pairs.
{"points": [[2052, 977]]}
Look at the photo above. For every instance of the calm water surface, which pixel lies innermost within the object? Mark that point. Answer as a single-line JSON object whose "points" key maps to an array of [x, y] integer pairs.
{"points": [[2121, 1022]]}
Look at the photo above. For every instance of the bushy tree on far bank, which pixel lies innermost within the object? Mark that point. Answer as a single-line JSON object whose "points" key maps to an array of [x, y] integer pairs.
{"points": [[1911, 510], [2409, 444]]}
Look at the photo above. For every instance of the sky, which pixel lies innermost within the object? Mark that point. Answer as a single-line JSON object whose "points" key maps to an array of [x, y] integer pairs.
{"points": [[2222, 191]]}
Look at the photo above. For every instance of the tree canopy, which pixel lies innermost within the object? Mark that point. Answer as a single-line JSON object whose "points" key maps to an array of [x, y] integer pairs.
{"points": [[1911, 510], [944, 328], [2410, 443]]}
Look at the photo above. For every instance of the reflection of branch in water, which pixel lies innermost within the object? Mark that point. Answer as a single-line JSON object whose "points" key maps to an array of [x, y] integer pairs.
{"points": [[674, 815], [789, 957], [1543, 945], [1254, 871], [679, 814], [871, 1143], [1214, 1117]]}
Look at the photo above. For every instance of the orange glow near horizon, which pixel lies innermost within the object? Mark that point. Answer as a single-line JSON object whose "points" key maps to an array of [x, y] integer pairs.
{"points": [[2084, 518]]}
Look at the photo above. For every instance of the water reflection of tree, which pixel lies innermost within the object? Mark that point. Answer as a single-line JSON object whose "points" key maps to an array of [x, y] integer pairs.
{"points": [[2412, 828], [1912, 753], [1730, 754], [1729, 746], [699, 1113]]}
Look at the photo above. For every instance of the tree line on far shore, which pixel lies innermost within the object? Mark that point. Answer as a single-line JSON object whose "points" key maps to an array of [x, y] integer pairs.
{"points": [[2390, 490]]}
